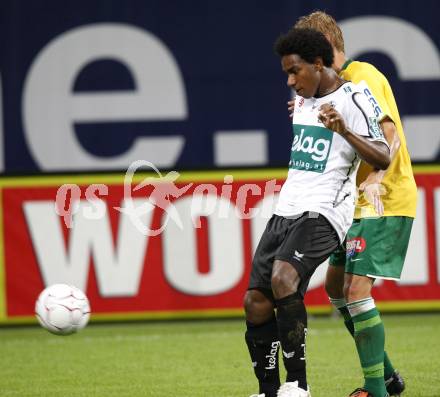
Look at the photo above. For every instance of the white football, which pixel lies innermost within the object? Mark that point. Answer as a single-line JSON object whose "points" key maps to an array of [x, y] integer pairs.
{"points": [[62, 309]]}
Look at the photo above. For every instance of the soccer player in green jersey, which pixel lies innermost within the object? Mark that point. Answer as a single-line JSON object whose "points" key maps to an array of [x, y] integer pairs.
{"points": [[386, 208]]}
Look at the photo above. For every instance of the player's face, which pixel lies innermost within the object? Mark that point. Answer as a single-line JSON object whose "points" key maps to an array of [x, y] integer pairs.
{"points": [[302, 76]]}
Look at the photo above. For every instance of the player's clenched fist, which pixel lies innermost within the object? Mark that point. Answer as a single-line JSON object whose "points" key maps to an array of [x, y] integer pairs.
{"points": [[332, 119]]}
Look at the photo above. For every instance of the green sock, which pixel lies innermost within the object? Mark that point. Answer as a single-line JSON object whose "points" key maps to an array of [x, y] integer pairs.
{"points": [[369, 336], [388, 366], [347, 319]]}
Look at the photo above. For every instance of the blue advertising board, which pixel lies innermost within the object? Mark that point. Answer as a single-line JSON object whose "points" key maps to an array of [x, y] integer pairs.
{"points": [[94, 85]]}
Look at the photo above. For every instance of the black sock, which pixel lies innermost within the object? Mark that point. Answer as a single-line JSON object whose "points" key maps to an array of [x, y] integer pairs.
{"points": [[263, 345], [292, 329]]}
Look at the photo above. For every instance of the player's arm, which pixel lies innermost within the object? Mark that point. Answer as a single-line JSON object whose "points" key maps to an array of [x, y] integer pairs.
{"points": [[392, 137], [372, 185], [375, 153], [375, 85]]}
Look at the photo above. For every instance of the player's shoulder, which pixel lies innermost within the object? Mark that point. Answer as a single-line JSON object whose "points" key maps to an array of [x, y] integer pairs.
{"points": [[359, 65], [348, 97], [348, 89], [357, 71], [354, 95]]}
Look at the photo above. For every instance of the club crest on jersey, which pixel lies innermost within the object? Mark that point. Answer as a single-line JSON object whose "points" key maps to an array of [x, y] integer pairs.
{"points": [[310, 148], [355, 245]]}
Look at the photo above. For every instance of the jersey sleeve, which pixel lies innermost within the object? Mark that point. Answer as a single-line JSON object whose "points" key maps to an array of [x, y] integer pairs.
{"points": [[362, 118], [374, 85]]}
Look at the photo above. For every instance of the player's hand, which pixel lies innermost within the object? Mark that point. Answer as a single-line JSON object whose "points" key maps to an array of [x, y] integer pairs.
{"points": [[373, 189], [291, 107], [332, 119]]}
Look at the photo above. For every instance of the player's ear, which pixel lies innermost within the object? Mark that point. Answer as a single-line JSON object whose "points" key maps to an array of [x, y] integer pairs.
{"points": [[319, 64]]}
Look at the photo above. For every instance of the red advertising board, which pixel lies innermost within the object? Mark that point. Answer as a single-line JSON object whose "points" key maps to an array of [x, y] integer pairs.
{"points": [[188, 255]]}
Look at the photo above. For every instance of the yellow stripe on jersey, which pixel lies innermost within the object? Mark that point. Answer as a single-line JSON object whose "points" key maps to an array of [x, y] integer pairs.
{"points": [[401, 190]]}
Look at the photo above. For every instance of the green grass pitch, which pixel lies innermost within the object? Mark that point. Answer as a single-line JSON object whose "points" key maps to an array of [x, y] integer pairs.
{"points": [[200, 359]]}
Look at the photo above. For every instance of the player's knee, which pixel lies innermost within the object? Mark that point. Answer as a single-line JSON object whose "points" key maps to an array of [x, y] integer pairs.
{"points": [[348, 291], [356, 290], [257, 307], [329, 288], [283, 286], [333, 289], [334, 282], [248, 302]]}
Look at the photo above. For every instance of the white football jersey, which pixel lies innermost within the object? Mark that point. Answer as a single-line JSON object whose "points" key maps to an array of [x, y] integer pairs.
{"points": [[323, 165]]}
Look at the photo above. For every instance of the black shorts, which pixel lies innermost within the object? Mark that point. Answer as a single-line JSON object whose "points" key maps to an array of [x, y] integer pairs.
{"points": [[304, 241]]}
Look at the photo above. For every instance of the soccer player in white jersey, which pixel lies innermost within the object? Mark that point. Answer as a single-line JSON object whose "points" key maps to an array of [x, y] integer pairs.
{"points": [[334, 126]]}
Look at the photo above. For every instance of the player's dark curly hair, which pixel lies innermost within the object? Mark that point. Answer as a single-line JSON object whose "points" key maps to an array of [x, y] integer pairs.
{"points": [[307, 43]]}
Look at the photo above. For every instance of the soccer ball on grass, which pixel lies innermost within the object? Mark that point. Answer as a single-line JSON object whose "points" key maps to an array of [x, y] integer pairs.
{"points": [[62, 309]]}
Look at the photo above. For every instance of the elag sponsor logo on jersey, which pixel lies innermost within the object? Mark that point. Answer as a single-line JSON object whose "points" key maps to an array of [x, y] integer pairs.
{"points": [[355, 246], [310, 148]]}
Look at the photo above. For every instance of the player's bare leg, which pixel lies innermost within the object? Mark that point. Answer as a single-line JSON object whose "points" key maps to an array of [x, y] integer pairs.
{"points": [[258, 308], [334, 282]]}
